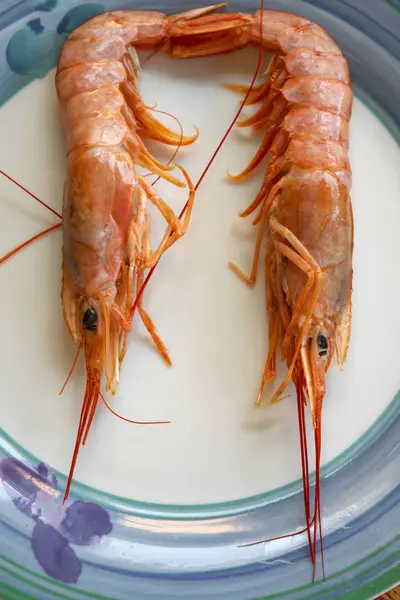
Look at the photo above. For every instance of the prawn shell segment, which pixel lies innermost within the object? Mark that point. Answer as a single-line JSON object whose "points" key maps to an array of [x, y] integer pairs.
{"points": [[307, 36], [303, 62], [324, 94], [78, 51], [274, 24], [87, 77], [309, 121], [95, 118], [132, 26]]}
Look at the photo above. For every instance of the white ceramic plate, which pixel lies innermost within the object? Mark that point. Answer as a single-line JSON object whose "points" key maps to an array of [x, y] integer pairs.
{"points": [[218, 452]]}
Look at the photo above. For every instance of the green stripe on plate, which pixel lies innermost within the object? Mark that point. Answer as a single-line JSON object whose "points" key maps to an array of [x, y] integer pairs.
{"points": [[394, 3], [390, 578], [126, 505], [9, 593]]}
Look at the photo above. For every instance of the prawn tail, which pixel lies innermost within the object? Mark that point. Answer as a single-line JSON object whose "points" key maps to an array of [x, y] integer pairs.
{"points": [[87, 414]]}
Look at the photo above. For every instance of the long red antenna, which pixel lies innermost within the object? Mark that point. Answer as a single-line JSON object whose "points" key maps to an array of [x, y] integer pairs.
{"points": [[38, 235], [30, 193], [27, 242], [131, 420], [317, 499], [71, 370], [304, 458], [242, 105], [278, 537]]}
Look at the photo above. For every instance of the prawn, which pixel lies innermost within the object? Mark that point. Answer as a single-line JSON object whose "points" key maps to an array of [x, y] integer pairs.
{"points": [[305, 207], [304, 204], [106, 246]]}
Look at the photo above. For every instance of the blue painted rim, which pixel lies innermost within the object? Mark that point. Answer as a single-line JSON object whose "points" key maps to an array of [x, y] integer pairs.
{"points": [[192, 551]]}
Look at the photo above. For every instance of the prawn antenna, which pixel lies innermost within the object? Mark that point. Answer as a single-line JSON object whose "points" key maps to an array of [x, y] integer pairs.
{"points": [[304, 458], [36, 236], [71, 370], [30, 193], [317, 502], [315, 521], [130, 420], [27, 242], [278, 537]]}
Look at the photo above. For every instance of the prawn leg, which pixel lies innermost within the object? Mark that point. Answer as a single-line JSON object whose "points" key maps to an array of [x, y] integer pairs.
{"points": [[151, 126], [167, 241], [274, 327], [174, 231], [251, 279], [151, 328], [299, 256], [305, 262], [171, 237], [134, 278], [167, 212]]}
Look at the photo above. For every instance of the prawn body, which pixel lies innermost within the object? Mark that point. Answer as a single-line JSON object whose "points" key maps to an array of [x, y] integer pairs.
{"points": [[106, 229], [306, 209], [304, 202]]}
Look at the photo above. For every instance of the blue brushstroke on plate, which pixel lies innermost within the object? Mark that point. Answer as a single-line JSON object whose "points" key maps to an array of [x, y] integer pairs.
{"points": [[33, 50], [78, 15], [46, 6], [33, 490]]}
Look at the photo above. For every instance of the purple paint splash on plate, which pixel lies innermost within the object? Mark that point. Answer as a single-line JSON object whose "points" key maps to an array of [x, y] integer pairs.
{"points": [[33, 491]]}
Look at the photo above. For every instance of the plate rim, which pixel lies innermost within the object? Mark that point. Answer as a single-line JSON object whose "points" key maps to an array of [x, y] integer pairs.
{"points": [[131, 506], [393, 574]]}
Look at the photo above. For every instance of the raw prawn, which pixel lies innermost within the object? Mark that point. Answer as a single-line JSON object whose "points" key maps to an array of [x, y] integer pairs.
{"points": [[306, 209], [304, 201], [106, 247]]}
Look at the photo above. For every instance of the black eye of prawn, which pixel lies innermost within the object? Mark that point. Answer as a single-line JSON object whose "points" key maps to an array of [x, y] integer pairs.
{"points": [[90, 319], [322, 344]]}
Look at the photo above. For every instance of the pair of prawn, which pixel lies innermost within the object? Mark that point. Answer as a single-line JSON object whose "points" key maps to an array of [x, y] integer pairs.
{"points": [[304, 201]]}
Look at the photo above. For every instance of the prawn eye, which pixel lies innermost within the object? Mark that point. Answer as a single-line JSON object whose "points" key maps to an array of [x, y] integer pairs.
{"points": [[90, 319], [322, 345]]}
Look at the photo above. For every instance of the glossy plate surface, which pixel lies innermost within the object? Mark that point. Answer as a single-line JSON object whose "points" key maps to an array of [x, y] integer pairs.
{"points": [[160, 513]]}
